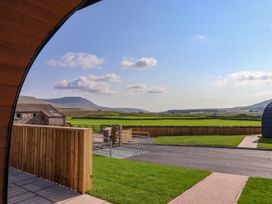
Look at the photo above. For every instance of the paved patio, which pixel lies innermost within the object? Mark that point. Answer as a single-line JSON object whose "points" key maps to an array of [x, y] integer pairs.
{"points": [[25, 188], [120, 152]]}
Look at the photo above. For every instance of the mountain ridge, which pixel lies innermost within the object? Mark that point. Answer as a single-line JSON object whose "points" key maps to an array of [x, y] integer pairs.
{"points": [[83, 103], [257, 107], [75, 102]]}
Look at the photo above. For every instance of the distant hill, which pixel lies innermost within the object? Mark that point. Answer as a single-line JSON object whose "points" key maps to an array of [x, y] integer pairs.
{"points": [[83, 103], [30, 100], [194, 110], [73, 102], [258, 107], [76, 102]]}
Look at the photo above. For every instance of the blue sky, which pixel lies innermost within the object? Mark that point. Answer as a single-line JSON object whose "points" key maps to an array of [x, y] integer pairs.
{"points": [[160, 55]]}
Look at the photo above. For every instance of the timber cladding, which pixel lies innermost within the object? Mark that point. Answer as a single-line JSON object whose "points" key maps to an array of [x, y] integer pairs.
{"points": [[26, 26], [155, 131], [62, 155]]}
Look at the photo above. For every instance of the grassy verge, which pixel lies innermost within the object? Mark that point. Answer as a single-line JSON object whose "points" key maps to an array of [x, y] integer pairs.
{"points": [[257, 190], [164, 122], [265, 143], [130, 182], [210, 140]]}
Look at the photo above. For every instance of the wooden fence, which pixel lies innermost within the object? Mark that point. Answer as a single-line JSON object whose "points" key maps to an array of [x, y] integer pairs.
{"points": [[60, 154], [155, 131]]}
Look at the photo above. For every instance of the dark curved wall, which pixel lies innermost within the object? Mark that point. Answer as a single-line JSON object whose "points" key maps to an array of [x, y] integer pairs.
{"points": [[267, 121], [26, 26]]}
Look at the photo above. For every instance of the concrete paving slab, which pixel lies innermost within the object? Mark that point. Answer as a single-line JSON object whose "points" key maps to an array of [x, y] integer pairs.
{"points": [[84, 199], [216, 188], [250, 141]]}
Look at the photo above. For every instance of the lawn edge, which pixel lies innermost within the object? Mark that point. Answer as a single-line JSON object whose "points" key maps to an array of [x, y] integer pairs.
{"points": [[214, 146]]}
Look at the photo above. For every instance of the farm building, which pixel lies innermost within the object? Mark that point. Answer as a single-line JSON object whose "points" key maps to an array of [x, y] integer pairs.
{"points": [[41, 114]]}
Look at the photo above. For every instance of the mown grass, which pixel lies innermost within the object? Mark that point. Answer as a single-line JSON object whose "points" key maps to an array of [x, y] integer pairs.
{"points": [[265, 143], [209, 140], [131, 182], [257, 191], [165, 122]]}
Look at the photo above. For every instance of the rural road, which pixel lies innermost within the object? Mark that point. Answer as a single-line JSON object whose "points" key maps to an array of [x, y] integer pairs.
{"points": [[233, 161]]}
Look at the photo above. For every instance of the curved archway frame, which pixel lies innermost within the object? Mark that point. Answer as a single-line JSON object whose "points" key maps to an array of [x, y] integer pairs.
{"points": [[26, 27]]}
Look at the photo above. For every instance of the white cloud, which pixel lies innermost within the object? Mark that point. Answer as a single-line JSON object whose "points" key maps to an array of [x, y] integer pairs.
{"points": [[246, 78], [77, 60], [143, 88], [139, 87], [251, 76], [157, 89], [140, 63], [200, 37], [105, 78], [91, 84]]}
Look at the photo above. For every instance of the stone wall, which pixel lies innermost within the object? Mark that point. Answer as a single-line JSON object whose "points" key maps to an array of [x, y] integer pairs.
{"points": [[56, 121], [30, 118], [38, 119]]}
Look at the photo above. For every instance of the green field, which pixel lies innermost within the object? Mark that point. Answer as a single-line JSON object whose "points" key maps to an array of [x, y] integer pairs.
{"points": [[164, 122], [209, 140], [131, 182], [265, 143], [257, 191], [132, 117]]}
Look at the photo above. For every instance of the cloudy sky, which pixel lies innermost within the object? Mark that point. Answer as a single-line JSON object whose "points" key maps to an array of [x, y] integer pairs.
{"points": [[160, 55]]}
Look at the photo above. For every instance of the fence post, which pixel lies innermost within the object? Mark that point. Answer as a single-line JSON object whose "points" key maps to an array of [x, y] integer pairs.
{"points": [[86, 156], [110, 147]]}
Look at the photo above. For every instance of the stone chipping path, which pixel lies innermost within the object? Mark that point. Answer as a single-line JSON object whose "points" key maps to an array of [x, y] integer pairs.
{"points": [[250, 141], [217, 188]]}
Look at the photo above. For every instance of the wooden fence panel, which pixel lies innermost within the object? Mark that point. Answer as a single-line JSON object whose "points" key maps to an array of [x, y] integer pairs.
{"points": [[195, 130], [60, 154]]}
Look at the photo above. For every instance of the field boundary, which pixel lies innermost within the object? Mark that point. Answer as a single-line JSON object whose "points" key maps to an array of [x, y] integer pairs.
{"points": [[207, 146], [196, 130]]}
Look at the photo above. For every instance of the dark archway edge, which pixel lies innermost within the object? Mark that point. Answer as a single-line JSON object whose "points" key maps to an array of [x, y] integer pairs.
{"points": [[267, 121], [26, 27]]}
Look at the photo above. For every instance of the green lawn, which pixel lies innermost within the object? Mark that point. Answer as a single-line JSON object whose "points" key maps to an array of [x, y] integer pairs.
{"points": [[257, 191], [130, 182], [210, 140], [265, 143], [165, 122]]}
